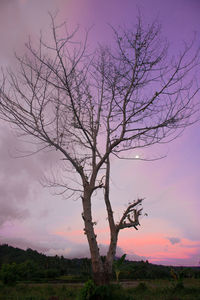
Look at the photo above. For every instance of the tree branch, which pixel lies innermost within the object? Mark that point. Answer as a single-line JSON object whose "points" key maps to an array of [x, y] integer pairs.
{"points": [[130, 217]]}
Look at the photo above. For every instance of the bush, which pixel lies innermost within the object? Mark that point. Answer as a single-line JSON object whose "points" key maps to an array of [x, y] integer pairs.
{"points": [[87, 292], [104, 292], [9, 274]]}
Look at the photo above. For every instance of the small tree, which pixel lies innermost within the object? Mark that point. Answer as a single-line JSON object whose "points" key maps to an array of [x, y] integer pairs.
{"points": [[93, 108], [118, 266]]}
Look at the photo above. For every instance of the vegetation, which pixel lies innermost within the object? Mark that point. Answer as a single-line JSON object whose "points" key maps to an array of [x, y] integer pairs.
{"points": [[30, 265], [139, 290], [96, 107], [29, 275], [118, 263], [17, 265]]}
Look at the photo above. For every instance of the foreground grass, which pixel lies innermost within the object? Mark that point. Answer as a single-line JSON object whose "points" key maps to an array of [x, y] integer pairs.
{"points": [[136, 290], [165, 291], [38, 292]]}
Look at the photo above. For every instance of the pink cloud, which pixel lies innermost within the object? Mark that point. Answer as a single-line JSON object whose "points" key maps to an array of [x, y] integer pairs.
{"points": [[159, 248]]}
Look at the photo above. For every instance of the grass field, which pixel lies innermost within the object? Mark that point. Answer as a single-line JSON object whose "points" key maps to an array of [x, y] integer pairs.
{"points": [[135, 290]]}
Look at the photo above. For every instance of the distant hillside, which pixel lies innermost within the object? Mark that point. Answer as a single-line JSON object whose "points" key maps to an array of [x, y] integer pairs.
{"points": [[31, 265], [9, 254]]}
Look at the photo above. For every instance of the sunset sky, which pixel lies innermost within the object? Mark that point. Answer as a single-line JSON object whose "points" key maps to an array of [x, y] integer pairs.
{"points": [[31, 216]]}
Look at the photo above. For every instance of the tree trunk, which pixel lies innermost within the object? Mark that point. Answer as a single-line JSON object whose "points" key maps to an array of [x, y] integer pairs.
{"points": [[102, 278], [113, 229], [111, 253], [102, 271], [97, 264]]}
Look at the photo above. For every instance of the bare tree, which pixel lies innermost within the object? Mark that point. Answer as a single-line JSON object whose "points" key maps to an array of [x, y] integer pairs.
{"points": [[96, 107]]}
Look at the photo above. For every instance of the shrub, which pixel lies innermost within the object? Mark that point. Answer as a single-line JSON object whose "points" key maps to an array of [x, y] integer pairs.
{"points": [[88, 291], [104, 292], [9, 274]]}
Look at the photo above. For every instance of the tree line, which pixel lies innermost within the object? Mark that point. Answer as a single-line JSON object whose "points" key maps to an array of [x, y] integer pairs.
{"points": [[29, 265]]}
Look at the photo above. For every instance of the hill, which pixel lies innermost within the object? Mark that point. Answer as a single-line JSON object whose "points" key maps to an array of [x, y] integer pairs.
{"points": [[32, 265]]}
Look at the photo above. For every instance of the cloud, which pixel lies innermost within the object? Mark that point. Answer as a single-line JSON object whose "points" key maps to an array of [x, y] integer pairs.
{"points": [[19, 177], [14, 183], [52, 245], [187, 262], [22, 244], [76, 250], [174, 240], [11, 212]]}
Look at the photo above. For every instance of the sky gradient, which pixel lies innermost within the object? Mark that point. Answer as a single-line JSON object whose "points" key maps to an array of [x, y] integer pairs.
{"points": [[33, 217]]}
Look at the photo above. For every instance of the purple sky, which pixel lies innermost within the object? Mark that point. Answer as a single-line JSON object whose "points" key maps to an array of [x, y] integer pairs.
{"points": [[31, 216]]}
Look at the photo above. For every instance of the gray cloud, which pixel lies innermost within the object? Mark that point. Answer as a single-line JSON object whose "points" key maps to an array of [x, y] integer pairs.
{"points": [[22, 244], [11, 212], [174, 240], [71, 249], [75, 250], [19, 177], [136, 257], [14, 183]]}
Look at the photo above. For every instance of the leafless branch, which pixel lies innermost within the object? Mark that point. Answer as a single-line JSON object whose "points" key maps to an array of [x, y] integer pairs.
{"points": [[130, 217]]}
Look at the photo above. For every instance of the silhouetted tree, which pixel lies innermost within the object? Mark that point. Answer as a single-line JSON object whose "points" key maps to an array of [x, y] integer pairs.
{"points": [[95, 107]]}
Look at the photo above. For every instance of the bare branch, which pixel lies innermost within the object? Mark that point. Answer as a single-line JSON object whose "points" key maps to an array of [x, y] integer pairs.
{"points": [[130, 217]]}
